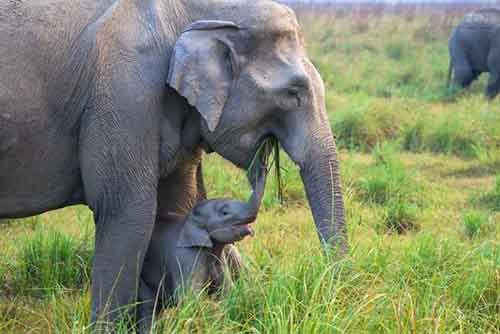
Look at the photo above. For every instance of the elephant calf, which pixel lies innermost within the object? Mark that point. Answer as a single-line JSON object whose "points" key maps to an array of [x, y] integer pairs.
{"points": [[475, 48], [192, 252]]}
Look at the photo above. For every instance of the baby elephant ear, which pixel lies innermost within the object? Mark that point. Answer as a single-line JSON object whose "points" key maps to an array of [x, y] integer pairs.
{"points": [[201, 69], [194, 236]]}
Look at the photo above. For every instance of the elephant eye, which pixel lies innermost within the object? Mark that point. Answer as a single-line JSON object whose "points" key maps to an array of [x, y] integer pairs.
{"points": [[294, 93], [224, 211]]}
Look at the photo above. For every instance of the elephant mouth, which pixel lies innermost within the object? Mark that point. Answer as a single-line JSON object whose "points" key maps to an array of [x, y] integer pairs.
{"points": [[246, 230], [245, 226], [264, 142]]}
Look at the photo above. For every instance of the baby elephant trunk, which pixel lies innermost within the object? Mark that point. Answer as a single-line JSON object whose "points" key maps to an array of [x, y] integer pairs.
{"points": [[258, 191]]}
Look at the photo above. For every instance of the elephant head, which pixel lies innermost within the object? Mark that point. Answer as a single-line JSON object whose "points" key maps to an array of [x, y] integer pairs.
{"points": [[244, 68]]}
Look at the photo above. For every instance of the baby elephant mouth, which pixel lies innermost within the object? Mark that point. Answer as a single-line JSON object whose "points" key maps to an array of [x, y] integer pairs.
{"points": [[245, 227]]}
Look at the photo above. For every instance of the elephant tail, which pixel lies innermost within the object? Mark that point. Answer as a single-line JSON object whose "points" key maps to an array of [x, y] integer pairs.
{"points": [[450, 72]]}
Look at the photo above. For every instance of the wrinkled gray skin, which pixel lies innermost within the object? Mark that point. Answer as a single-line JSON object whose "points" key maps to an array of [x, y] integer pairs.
{"points": [[105, 102], [475, 48], [192, 251]]}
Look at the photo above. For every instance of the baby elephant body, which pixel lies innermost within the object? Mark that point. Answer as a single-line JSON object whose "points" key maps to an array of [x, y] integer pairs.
{"points": [[195, 251]]}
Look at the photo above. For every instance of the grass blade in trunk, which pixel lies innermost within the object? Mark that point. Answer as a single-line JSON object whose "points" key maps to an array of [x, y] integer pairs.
{"points": [[264, 156]]}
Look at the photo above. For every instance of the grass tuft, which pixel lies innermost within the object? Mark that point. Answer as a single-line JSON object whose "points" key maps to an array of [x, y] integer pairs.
{"points": [[388, 179], [475, 223], [491, 199], [51, 261], [400, 217]]}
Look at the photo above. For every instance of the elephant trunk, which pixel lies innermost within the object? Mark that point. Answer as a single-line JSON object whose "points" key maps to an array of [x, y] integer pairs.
{"points": [[314, 150], [321, 177]]}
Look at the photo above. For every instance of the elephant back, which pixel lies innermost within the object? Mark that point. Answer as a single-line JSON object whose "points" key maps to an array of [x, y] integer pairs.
{"points": [[485, 16]]}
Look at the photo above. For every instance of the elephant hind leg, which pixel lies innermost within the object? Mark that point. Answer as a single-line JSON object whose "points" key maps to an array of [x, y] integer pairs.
{"points": [[494, 80], [493, 86]]}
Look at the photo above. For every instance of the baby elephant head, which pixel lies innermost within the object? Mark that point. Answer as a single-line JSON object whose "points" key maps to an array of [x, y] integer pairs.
{"points": [[217, 221], [222, 221]]}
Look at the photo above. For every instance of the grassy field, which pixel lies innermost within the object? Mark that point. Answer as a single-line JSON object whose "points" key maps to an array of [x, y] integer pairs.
{"points": [[421, 174]]}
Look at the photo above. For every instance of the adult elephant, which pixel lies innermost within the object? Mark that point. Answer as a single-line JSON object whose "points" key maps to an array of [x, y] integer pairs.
{"points": [[102, 102], [475, 48]]}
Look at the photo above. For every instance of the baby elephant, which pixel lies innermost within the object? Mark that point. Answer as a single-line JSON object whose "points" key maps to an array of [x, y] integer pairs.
{"points": [[193, 252]]}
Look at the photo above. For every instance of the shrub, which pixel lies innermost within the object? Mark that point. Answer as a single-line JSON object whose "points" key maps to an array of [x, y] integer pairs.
{"points": [[365, 123], [388, 179], [488, 157], [413, 137], [474, 223], [396, 50], [452, 136], [351, 130], [491, 199], [400, 216]]}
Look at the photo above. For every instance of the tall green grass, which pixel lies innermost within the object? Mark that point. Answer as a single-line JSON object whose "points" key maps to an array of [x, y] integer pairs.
{"points": [[491, 198], [475, 223], [389, 184], [50, 261]]}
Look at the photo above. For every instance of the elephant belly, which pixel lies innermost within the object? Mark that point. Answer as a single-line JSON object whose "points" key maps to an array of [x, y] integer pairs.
{"points": [[39, 171]]}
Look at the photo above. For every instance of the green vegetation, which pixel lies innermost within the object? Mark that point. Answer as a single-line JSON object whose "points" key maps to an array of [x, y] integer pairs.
{"points": [[50, 261], [491, 198], [475, 223], [420, 172]]}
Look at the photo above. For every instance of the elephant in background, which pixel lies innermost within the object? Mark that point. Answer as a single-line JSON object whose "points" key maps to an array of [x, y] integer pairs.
{"points": [[106, 102], [474, 48]]}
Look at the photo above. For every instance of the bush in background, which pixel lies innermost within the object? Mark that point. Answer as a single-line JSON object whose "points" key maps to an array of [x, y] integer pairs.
{"points": [[475, 223], [491, 199], [389, 184]]}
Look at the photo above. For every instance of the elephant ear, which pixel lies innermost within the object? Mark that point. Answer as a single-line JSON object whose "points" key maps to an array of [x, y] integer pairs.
{"points": [[194, 236], [200, 68]]}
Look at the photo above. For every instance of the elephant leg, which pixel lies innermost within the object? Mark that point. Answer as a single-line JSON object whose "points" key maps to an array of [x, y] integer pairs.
{"points": [[464, 75], [121, 242], [493, 86], [146, 308], [475, 75], [120, 183], [200, 183]]}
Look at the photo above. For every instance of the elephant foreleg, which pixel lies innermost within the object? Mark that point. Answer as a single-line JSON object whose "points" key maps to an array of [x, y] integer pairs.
{"points": [[146, 308], [464, 76], [120, 182]]}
